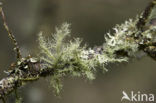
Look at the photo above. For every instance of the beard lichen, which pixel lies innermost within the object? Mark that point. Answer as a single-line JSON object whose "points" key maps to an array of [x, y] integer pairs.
{"points": [[64, 58], [59, 58], [70, 58]]}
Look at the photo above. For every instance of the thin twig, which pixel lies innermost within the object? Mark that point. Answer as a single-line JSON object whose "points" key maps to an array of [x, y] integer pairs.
{"points": [[10, 34]]}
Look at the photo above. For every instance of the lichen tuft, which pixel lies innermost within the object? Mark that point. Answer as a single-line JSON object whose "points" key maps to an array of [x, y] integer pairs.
{"points": [[70, 58]]}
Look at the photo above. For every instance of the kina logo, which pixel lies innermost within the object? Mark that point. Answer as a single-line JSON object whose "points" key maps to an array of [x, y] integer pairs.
{"points": [[137, 97]]}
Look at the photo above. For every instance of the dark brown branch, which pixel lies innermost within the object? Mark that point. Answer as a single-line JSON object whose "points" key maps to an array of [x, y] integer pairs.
{"points": [[27, 70], [149, 46], [145, 16]]}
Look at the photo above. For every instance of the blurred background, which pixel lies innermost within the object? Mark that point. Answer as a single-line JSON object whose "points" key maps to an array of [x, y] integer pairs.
{"points": [[90, 20]]}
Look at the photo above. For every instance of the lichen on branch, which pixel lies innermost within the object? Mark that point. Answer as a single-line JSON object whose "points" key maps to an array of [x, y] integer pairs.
{"points": [[71, 58], [60, 57]]}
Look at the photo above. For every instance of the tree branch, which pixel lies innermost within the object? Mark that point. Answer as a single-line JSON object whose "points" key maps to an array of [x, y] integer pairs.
{"points": [[59, 58]]}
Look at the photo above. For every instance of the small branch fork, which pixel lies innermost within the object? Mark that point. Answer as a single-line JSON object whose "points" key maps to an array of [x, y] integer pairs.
{"points": [[30, 69]]}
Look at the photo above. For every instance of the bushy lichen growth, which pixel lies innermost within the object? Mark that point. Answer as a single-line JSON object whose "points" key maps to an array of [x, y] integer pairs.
{"points": [[60, 57], [69, 58], [121, 41], [64, 58]]}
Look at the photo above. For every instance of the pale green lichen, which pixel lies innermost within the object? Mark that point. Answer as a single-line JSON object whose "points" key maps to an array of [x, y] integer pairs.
{"points": [[120, 41], [150, 33], [69, 58], [63, 57]]}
